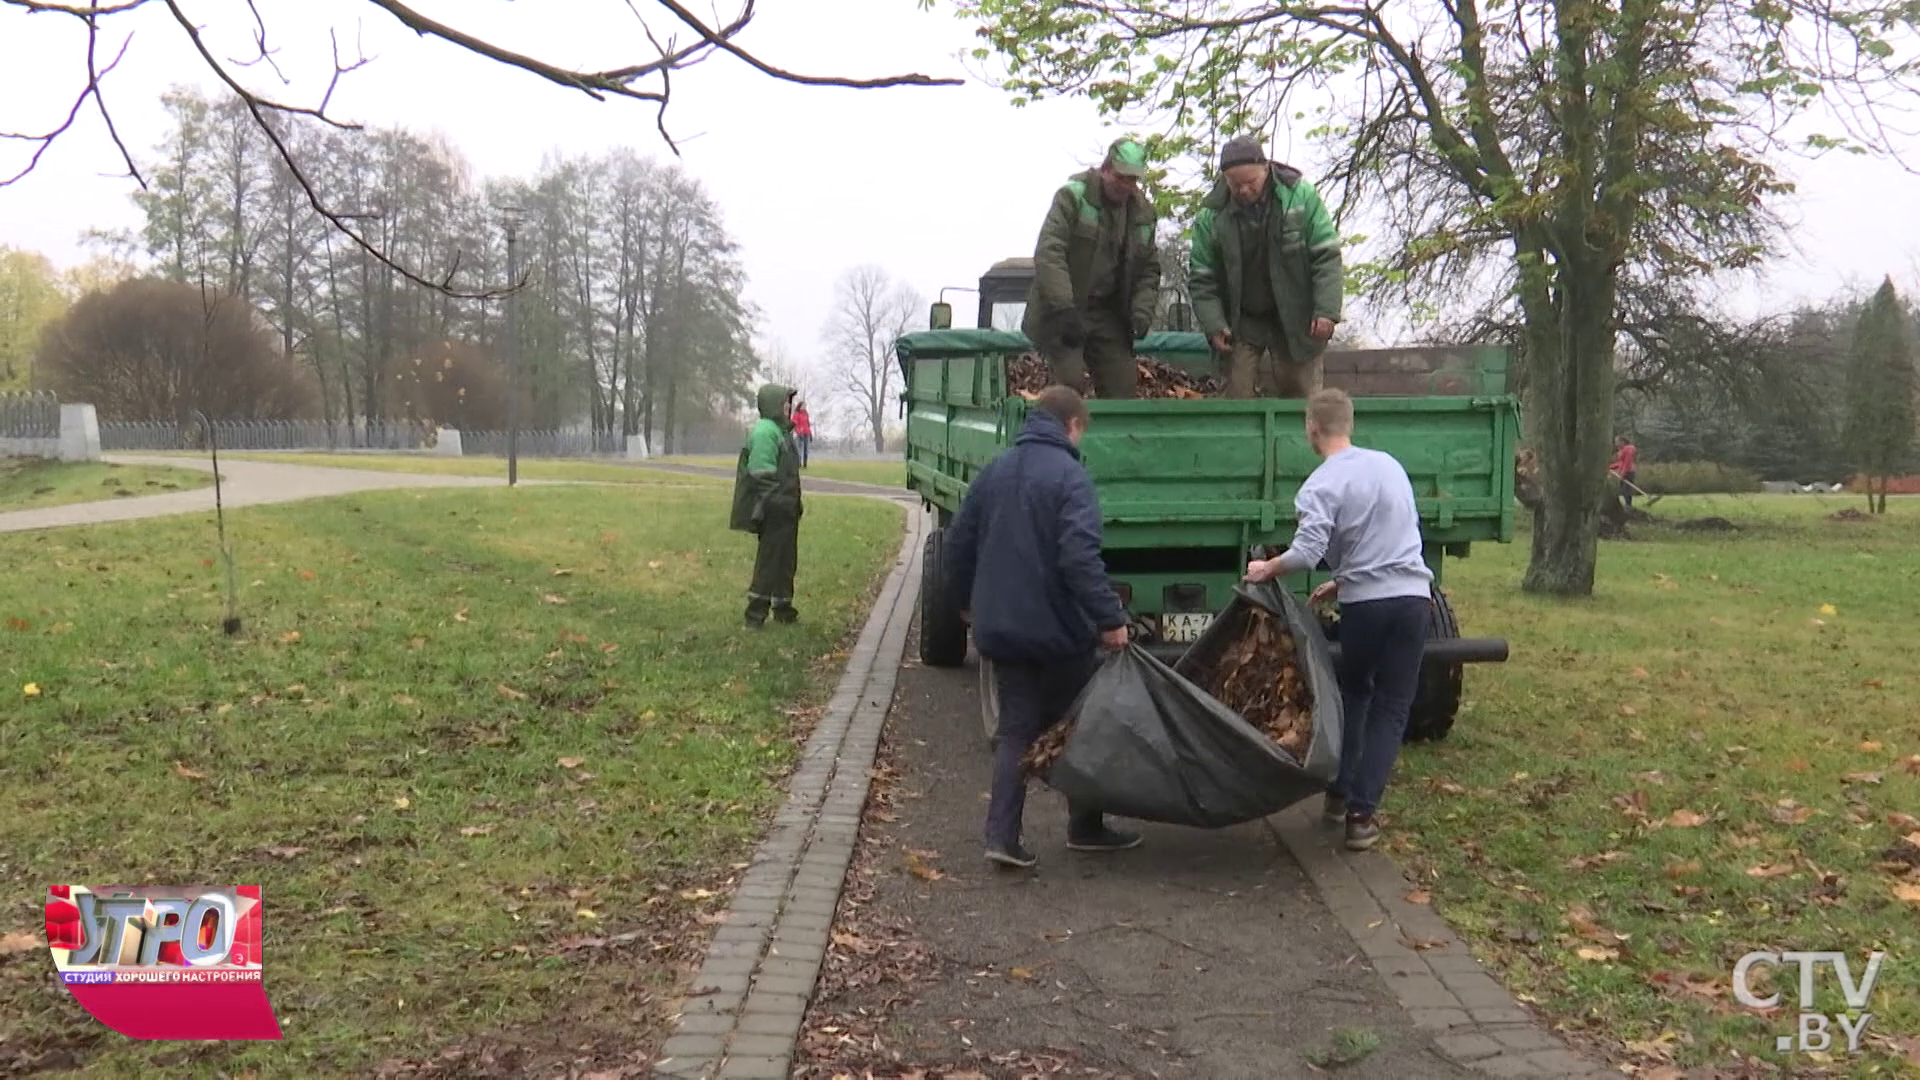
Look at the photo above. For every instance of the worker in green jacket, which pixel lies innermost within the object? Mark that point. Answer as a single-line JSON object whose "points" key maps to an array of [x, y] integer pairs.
{"points": [[766, 502], [1096, 275], [1265, 279]]}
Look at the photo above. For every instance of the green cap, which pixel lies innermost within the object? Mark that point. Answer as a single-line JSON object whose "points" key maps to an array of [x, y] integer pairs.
{"points": [[1128, 158]]}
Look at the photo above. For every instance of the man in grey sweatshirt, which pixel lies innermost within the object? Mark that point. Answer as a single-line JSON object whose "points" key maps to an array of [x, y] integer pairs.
{"points": [[1357, 512]]}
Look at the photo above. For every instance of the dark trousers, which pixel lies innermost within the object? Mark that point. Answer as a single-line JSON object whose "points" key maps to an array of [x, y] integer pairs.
{"points": [[1381, 645], [1033, 698], [1626, 490], [774, 564], [1108, 352]]}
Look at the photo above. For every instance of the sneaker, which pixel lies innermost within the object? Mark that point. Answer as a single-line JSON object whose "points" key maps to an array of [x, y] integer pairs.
{"points": [[1334, 811], [1011, 855], [1105, 840], [1362, 833]]}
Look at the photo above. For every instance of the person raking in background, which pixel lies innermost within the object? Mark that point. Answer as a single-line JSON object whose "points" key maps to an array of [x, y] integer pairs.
{"points": [[766, 503], [1622, 469], [802, 431], [1022, 559], [1357, 512]]}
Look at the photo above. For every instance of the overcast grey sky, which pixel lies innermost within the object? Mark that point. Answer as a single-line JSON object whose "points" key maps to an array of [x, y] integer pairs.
{"points": [[932, 183]]}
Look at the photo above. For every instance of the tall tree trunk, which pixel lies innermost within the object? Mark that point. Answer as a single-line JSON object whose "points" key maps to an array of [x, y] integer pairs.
{"points": [[1570, 380]]}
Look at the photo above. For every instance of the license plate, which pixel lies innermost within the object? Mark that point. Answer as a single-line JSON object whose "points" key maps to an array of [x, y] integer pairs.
{"points": [[1184, 628]]}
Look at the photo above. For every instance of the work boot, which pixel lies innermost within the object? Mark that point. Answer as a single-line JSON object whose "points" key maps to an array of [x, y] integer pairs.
{"points": [[1010, 855], [1334, 811], [787, 615], [756, 615], [1104, 840], [1362, 833]]}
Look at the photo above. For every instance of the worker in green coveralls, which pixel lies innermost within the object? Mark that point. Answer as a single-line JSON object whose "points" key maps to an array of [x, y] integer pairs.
{"points": [[766, 503], [1096, 275]]}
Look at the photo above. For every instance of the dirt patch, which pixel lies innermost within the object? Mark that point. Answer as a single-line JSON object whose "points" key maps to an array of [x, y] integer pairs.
{"points": [[1849, 514], [1707, 524]]}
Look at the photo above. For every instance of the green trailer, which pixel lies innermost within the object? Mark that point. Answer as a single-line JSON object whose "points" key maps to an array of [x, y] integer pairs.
{"points": [[1189, 488]]}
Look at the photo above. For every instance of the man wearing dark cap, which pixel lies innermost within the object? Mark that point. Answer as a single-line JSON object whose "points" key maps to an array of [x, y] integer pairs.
{"points": [[1266, 275], [1096, 275]]}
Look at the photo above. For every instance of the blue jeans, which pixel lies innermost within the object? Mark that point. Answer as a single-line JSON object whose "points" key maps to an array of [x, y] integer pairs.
{"points": [[1033, 698], [805, 443], [1381, 645]]}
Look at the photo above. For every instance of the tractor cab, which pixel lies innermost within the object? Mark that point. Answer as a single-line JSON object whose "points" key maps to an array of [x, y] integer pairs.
{"points": [[1003, 301]]}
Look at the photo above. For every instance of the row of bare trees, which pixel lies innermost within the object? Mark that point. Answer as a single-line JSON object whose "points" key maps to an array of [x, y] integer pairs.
{"points": [[629, 312]]}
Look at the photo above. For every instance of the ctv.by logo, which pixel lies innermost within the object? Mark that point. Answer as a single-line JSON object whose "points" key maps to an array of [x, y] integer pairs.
{"points": [[1814, 1034]]}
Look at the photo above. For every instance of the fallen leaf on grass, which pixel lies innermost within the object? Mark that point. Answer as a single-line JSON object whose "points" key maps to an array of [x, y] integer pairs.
{"points": [[402, 699], [1863, 778], [563, 573], [1595, 953], [552, 599], [17, 943], [1639, 673], [655, 565], [1908, 891], [460, 616], [1786, 813], [585, 913], [1899, 820], [1419, 896], [285, 852], [1678, 870], [1583, 862], [572, 762], [510, 693], [402, 803], [1770, 870], [1021, 973], [1870, 747], [1628, 710], [1875, 684], [1450, 787], [1829, 610], [476, 830], [1686, 819], [697, 894], [306, 575], [289, 637], [1798, 765], [190, 774], [16, 623], [1911, 764]]}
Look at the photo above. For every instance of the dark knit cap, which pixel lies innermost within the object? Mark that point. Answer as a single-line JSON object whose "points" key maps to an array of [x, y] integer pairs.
{"points": [[1242, 150]]}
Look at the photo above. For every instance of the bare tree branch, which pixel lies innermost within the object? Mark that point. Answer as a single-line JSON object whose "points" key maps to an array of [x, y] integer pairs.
{"points": [[622, 82]]}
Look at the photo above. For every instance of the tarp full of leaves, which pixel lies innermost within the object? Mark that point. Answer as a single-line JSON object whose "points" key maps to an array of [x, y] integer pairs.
{"points": [[1245, 725]]}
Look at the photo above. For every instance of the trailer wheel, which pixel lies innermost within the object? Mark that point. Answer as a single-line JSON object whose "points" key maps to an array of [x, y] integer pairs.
{"points": [[989, 700], [943, 634], [1440, 687]]}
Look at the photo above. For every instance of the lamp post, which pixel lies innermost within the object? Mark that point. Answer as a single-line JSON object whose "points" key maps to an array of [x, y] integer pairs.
{"points": [[511, 221]]}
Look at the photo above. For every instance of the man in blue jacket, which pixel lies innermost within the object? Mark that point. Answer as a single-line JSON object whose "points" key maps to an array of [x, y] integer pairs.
{"points": [[1023, 559]]}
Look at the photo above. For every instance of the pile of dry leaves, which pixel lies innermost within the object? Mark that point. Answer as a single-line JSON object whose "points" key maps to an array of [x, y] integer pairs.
{"points": [[1258, 676], [1046, 749], [1028, 374]]}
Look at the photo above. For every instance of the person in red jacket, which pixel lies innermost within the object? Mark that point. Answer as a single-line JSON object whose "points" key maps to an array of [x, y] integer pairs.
{"points": [[802, 430], [1624, 455]]}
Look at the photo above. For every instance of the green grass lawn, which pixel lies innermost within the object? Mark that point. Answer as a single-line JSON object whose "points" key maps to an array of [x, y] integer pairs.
{"points": [[1719, 752], [531, 469], [30, 483], [884, 473], [493, 757]]}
